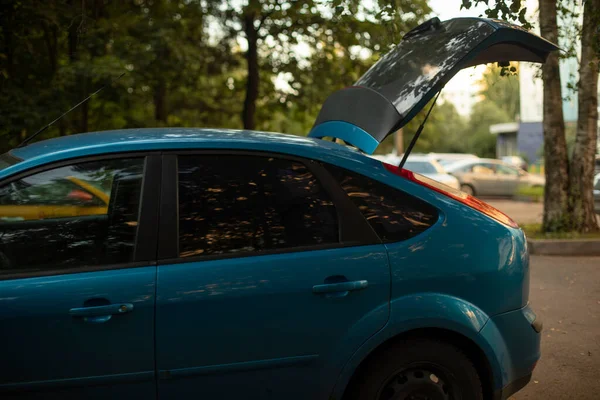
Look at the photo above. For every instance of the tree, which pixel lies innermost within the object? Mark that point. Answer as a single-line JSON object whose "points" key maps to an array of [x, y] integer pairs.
{"points": [[555, 144], [581, 199], [271, 30], [568, 201], [502, 88]]}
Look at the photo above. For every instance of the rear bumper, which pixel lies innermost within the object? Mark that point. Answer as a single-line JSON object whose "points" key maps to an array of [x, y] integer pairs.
{"points": [[515, 337], [511, 388]]}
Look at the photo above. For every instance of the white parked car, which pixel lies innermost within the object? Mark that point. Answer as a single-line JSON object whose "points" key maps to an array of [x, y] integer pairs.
{"points": [[446, 159], [424, 165]]}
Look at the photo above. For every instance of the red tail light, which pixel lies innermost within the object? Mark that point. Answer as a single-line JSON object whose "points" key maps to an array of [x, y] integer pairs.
{"points": [[454, 194]]}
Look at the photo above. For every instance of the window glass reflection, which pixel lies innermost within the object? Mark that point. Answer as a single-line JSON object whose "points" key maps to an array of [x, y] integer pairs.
{"points": [[394, 215], [79, 215], [239, 204]]}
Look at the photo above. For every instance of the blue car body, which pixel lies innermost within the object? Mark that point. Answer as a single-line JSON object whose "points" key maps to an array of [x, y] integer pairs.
{"points": [[292, 324]]}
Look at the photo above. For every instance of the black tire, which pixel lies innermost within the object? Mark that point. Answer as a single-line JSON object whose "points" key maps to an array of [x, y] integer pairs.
{"points": [[417, 369], [468, 189]]}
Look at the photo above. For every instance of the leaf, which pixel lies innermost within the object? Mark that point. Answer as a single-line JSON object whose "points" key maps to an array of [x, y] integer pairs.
{"points": [[522, 16]]}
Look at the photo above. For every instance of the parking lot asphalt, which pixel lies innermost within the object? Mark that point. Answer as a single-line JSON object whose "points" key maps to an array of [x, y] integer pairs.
{"points": [[565, 293]]}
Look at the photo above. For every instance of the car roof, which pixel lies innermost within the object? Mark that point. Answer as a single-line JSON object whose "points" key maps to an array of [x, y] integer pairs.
{"points": [[156, 139]]}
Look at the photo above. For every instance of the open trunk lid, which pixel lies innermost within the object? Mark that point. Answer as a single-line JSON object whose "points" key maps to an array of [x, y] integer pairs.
{"points": [[401, 83]]}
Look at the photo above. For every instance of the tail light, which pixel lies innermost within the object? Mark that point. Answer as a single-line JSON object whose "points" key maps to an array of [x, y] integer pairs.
{"points": [[454, 194]]}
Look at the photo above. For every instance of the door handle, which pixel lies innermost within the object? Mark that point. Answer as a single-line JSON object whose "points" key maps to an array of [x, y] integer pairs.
{"points": [[101, 311], [340, 287]]}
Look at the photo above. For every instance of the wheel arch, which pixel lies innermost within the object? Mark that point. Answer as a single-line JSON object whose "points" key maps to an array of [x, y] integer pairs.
{"points": [[441, 317], [465, 344]]}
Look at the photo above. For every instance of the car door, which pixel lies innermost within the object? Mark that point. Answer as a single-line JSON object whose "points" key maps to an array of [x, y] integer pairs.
{"points": [[484, 179], [77, 288], [269, 278], [508, 179]]}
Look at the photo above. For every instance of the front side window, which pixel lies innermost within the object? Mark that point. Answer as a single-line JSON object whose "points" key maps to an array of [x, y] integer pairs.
{"points": [[504, 170], [244, 204], [393, 215], [484, 169], [83, 214]]}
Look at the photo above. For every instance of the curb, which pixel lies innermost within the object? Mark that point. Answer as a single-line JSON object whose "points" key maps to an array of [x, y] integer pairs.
{"points": [[564, 247]]}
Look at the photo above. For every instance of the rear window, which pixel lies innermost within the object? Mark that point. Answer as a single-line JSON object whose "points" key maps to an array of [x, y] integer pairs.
{"points": [[6, 160], [393, 214]]}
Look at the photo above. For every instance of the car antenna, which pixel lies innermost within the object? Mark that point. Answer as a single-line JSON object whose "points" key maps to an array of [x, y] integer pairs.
{"points": [[31, 137], [414, 139]]}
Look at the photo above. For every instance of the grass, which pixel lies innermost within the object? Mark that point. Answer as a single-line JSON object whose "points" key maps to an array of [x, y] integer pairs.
{"points": [[534, 231], [534, 193]]}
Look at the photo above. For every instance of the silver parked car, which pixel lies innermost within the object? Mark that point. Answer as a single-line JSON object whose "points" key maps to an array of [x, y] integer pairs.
{"points": [[490, 177]]}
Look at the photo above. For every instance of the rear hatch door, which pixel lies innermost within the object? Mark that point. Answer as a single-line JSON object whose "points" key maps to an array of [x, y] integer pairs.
{"points": [[401, 83]]}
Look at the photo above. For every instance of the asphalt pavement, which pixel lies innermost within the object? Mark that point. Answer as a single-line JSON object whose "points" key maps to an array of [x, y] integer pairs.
{"points": [[565, 293]]}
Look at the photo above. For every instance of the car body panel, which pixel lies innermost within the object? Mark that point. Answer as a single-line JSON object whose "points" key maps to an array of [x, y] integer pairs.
{"points": [[71, 353], [260, 313], [515, 344]]}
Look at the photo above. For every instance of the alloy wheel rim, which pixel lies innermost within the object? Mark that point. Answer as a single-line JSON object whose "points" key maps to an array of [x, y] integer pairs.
{"points": [[419, 382]]}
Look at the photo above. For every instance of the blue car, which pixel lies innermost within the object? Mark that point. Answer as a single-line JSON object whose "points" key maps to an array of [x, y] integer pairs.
{"points": [[233, 264]]}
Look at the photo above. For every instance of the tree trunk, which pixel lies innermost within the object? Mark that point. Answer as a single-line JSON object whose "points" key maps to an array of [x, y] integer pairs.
{"points": [[160, 101], [581, 198], [399, 139], [51, 39], [252, 82], [555, 146]]}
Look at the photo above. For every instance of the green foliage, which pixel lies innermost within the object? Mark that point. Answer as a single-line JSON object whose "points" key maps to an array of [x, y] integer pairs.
{"points": [[185, 60], [509, 10], [533, 193]]}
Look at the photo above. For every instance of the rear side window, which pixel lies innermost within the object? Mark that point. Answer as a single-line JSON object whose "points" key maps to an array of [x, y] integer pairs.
{"points": [[78, 215], [241, 204], [394, 215]]}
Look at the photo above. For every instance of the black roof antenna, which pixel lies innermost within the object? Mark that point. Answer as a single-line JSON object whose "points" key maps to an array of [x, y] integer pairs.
{"points": [[31, 137]]}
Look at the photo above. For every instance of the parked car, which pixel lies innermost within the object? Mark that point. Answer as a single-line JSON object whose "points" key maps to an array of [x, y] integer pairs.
{"points": [[597, 165], [597, 193], [448, 158], [248, 264], [430, 168], [516, 161], [490, 177], [58, 198]]}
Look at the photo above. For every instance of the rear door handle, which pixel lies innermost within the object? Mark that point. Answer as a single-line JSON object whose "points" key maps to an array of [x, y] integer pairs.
{"points": [[340, 287], [110, 309]]}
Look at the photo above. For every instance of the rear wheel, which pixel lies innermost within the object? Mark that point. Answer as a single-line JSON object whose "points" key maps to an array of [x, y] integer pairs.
{"points": [[417, 370], [468, 189]]}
